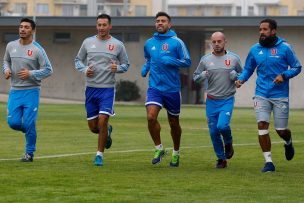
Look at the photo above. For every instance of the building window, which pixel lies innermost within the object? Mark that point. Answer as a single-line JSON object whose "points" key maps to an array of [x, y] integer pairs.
{"points": [[173, 11], [300, 12], [262, 11], [250, 11], [140, 10], [117, 36], [62, 37], [226, 10], [116, 10], [42, 9], [238, 11], [8, 37], [208, 11], [20, 8], [131, 37], [67, 10], [83, 10], [283, 10], [191, 11]]}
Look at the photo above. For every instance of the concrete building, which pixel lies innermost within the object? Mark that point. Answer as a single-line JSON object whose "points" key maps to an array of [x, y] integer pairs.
{"points": [[62, 38], [235, 7]]}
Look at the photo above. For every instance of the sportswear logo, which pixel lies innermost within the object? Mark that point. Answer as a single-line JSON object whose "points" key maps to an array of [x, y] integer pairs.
{"points": [[14, 51], [153, 48], [29, 52], [93, 46], [111, 47], [274, 51], [261, 52], [211, 64], [227, 62], [165, 46], [227, 113]]}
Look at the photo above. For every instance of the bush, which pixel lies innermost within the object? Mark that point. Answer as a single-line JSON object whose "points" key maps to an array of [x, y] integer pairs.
{"points": [[127, 91]]}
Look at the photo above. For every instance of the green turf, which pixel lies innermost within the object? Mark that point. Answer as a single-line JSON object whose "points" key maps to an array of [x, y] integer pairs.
{"points": [[130, 177]]}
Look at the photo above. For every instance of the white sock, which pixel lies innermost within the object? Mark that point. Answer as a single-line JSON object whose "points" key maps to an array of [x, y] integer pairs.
{"points": [[99, 153], [159, 147], [267, 156], [175, 152]]}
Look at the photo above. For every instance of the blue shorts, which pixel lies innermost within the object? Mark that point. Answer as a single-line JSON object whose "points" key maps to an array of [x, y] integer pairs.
{"points": [[169, 100], [279, 106], [99, 101]]}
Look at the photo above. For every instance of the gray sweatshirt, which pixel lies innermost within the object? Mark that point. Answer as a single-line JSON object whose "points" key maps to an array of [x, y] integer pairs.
{"points": [[100, 54], [31, 57], [221, 72]]}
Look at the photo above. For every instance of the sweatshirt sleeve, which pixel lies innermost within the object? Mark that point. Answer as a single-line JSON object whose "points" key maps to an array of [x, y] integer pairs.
{"points": [[250, 66], [6, 60], [183, 59], [45, 69], [80, 58], [293, 62], [123, 60]]}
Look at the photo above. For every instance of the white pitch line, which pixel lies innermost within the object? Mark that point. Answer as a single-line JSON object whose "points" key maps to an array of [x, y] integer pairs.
{"points": [[134, 150]]}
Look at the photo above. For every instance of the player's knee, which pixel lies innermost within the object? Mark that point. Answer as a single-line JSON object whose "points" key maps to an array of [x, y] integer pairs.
{"points": [[263, 132], [94, 130], [14, 124], [223, 127], [283, 132], [151, 118]]}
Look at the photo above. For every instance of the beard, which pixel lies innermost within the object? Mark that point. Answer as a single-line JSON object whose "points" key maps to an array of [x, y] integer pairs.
{"points": [[269, 41]]}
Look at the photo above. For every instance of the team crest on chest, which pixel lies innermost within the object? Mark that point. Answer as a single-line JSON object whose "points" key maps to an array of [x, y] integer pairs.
{"points": [[227, 62], [165, 46], [111, 47], [29, 52], [274, 51]]}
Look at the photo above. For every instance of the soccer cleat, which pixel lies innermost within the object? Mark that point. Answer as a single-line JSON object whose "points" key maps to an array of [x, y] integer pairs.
{"points": [[221, 163], [98, 160], [229, 151], [27, 158], [269, 167], [289, 151], [109, 139], [158, 155], [174, 161]]}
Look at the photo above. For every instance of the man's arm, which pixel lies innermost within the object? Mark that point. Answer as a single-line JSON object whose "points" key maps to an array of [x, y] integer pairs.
{"points": [[6, 68], [123, 60], [45, 69], [183, 59], [200, 73], [80, 58], [146, 67], [248, 70], [293, 62]]}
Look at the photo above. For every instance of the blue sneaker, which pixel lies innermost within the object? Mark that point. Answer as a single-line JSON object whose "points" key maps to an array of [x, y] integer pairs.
{"points": [[158, 155], [98, 160], [109, 140], [269, 167], [289, 151]]}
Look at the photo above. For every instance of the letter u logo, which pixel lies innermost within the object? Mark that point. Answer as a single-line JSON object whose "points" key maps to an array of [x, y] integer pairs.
{"points": [[111, 47], [29, 52], [165, 46], [227, 62]]}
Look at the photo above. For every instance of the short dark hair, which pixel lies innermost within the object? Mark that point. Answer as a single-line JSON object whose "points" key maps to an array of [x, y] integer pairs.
{"points": [[33, 24], [161, 13], [272, 23], [102, 16]]}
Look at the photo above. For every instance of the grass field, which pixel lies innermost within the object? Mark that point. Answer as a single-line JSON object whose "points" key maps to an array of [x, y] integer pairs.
{"points": [[63, 169]]}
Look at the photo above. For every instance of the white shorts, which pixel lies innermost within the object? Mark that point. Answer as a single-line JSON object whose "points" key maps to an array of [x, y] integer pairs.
{"points": [[279, 106]]}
